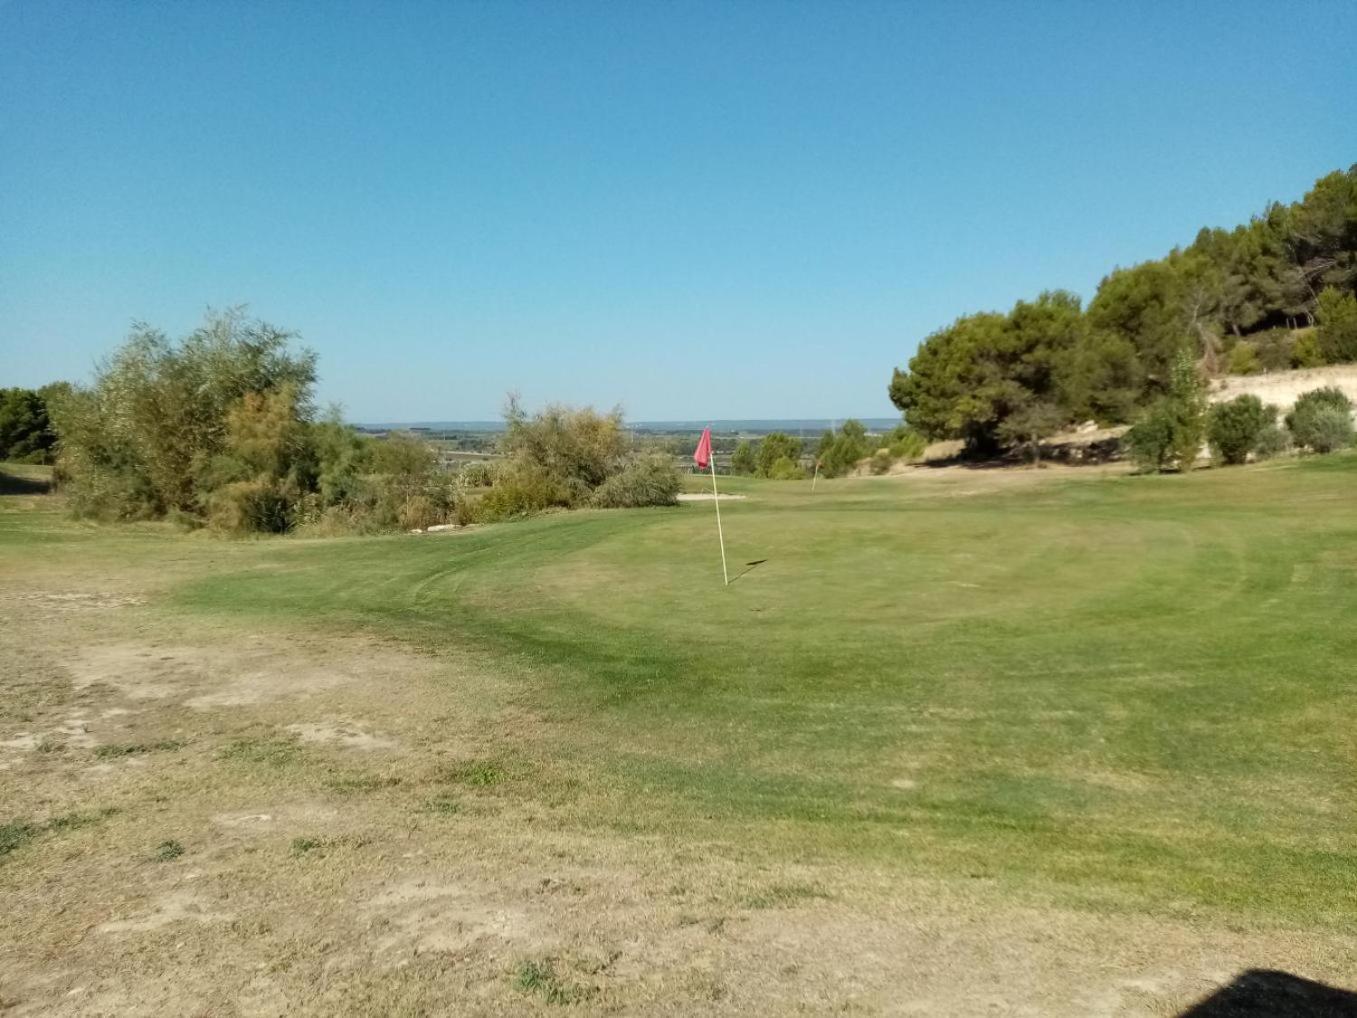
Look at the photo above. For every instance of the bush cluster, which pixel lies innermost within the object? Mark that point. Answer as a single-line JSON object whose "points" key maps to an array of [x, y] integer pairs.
{"points": [[564, 457], [1234, 428], [1321, 420], [1164, 437], [219, 429]]}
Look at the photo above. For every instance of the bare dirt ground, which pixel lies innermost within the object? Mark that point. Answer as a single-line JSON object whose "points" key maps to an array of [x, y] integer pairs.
{"points": [[234, 822]]}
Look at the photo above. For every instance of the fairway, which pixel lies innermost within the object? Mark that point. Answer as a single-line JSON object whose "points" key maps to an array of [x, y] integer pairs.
{"points": [[556, 763]]}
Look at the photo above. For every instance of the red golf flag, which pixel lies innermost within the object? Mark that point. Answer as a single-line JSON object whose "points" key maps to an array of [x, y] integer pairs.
{"points": [[702, 457]]}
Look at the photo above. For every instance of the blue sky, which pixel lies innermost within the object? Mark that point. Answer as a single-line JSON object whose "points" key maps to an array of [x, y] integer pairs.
{"points": [[696, 210]]}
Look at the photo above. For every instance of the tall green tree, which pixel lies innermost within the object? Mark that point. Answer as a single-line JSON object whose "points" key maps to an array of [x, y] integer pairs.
{"points": [[25, 427], [775, 447], [1336, 335], [967, 379], [142, 440]]}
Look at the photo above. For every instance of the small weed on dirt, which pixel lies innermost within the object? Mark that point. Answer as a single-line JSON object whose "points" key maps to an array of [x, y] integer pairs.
{"points": [[270, 752], [168, 850], [477, 773], [137, 748], [538, 976], [784, 895], [362, 783], [443, 805], [16, 834]]}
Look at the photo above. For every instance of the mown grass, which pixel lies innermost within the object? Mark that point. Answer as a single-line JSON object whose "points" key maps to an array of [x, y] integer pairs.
{"points": [[1122, 693]]}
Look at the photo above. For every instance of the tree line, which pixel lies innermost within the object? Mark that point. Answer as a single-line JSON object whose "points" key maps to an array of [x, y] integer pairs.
{"points": [[220, 429], [1276, 293], [782, 457]]}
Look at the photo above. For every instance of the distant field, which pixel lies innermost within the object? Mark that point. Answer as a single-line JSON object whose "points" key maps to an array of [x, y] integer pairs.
{"points": [[1091, 733]]}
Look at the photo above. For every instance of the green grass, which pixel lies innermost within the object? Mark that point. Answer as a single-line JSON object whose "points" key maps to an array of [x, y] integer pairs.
{"points": [[1122, 693], [168, 851], [15, 834], [538, 977]]}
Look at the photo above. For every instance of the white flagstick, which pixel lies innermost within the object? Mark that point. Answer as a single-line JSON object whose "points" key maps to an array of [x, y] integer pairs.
{"points": [[816, 477], [716, 499]]}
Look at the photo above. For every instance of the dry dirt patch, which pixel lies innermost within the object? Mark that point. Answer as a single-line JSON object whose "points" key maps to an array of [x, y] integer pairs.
{"points": [[343, 734], [175, 906], [247, 672]]}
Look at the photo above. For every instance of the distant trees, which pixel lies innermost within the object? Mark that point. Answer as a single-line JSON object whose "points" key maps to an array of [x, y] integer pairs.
{"points": [[742, 460], [779, 457], [838, 452], [26, 433], [1336, 336], [1233, 299]]}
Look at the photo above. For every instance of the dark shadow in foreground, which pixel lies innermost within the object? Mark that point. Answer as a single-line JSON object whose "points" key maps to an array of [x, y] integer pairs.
{"points": [[1262, 993]]}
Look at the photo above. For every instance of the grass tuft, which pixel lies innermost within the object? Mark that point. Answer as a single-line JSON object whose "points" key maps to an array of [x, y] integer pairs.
{"points": [[352, 783], [443, 805], [539, 977], [15, 834], [168, 850], [477, 773], [785, 895], [137, 748], [267, 752]]}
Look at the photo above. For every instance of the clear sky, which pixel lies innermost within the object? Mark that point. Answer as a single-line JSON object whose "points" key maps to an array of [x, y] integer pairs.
{"points": [[697, 210]]}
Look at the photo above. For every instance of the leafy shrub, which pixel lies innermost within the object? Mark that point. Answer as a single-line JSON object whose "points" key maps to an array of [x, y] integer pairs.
{"points": [[1233, 427], [1322, 420], [784, 468], [521, 489], [881, 461], [146, 437], [1149, 442], [1275, 348], [643, 482], [1271, 441], [1305, 352], [1325, 429], [743, 461], [773, 450], [1336, 336], [906, 444], [577, 448], [1243, 359], [255, 506], [1170, 432], [839, 452], [26, 434], [418, 512]]}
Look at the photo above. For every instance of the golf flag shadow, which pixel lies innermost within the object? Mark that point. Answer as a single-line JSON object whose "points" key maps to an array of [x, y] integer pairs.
{"points": [[749, 567]]}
